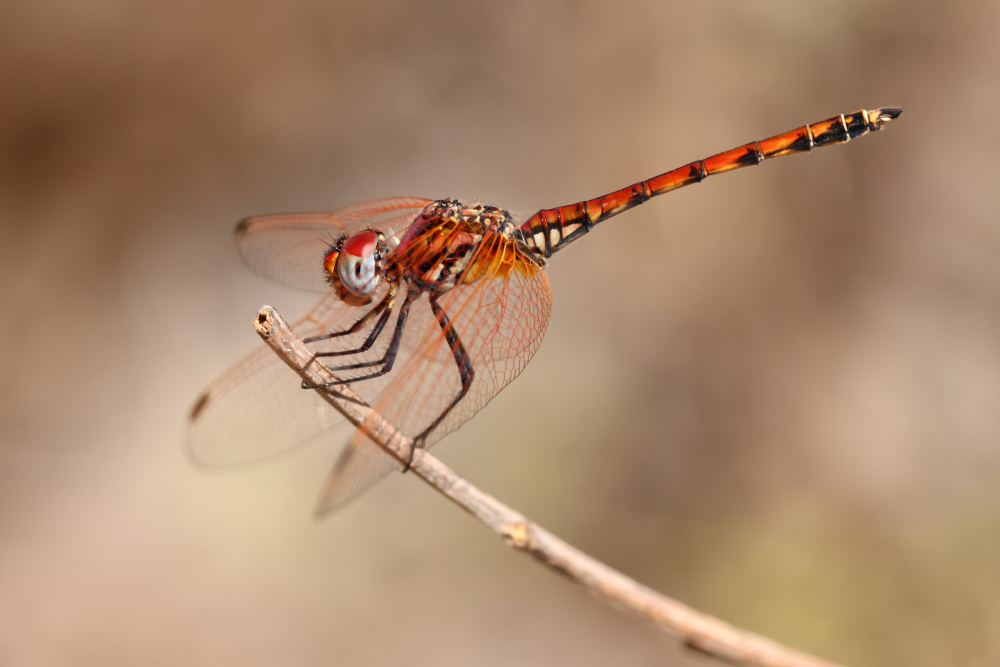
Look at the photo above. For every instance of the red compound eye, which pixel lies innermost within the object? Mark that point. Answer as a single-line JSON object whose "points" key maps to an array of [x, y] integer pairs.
{"points": [[361, 244]]}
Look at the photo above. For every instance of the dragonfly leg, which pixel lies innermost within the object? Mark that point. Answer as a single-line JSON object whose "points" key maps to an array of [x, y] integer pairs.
{"points": [[384, 307], [387, 360], [465, 371]]}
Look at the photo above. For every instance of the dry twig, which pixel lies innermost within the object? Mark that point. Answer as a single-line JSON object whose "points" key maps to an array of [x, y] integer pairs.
{"points": [[698, 631]]}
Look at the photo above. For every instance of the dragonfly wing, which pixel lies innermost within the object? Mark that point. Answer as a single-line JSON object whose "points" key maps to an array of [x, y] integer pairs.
{"points": [[500, 311], [254, 411], [288, 248], [500, 316], [257, 408], [360, 466]]}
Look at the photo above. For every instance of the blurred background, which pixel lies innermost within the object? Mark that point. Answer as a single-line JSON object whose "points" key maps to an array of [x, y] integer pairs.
{"points": [[785, 412]]}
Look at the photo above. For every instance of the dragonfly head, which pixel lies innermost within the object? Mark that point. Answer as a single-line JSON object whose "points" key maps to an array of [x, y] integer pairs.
{"points": [[354, 263]]}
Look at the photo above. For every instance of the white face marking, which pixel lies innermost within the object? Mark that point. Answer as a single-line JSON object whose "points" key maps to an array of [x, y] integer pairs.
{"points": [[357, 273]]}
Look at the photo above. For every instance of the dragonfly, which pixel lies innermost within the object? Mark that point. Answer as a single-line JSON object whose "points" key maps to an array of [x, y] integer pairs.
{"points": [[430, 308]]}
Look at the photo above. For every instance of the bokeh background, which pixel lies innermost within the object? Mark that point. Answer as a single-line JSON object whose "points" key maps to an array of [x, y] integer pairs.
{"points": [[773, 396]]}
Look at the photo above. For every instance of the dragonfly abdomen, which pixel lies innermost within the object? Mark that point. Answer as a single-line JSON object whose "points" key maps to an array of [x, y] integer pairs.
{"points": [[551, 229]]}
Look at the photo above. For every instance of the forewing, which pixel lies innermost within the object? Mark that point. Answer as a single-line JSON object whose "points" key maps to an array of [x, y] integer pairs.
{"points": [[288, 248], [500, 319]]}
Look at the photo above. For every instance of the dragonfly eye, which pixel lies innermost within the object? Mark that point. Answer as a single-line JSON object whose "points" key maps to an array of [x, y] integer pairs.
{"points": [[356, 264]]}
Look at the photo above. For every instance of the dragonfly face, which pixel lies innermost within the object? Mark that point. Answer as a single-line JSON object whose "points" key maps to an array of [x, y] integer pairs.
{"points": [[353, 265]]}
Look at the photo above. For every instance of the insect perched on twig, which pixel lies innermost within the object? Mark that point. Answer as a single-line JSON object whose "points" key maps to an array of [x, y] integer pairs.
{"points": [[431, 308]]}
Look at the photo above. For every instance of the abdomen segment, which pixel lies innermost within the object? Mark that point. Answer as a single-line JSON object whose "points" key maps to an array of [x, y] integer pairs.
{"points": [[553, 228]]}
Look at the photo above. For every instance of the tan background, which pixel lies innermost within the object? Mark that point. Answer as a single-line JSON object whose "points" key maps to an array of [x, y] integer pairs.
{"points": [[774, 395]]}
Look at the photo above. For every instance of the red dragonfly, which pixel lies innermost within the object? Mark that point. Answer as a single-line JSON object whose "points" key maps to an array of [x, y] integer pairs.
{"points": [[465, 291]]}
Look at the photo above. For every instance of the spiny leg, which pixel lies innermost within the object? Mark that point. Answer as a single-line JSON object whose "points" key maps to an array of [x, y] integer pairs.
{"points": [[465, 370], [387, 360], [551, 229], [384, 307], [386, 300]]}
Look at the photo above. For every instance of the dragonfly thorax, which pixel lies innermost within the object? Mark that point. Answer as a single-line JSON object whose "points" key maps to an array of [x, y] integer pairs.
{"points": [[438, 246]]}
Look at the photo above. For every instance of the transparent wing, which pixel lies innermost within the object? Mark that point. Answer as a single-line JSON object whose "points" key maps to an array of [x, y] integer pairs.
{"points": [[361, 465], [500, 313], [288, 248], [257, 408]]}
